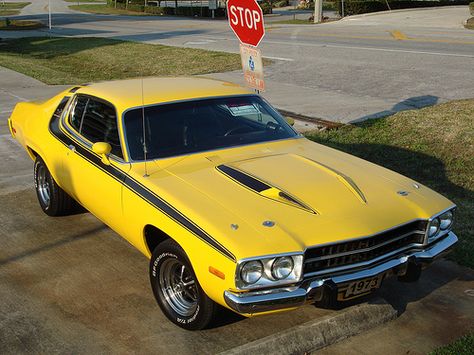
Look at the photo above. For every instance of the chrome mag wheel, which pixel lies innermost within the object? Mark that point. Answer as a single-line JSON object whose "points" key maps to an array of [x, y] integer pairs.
{"points": [[178, 287], [44, 190]]}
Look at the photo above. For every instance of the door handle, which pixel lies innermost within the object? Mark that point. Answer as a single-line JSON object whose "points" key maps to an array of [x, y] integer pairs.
{"points": [[71, 147]]}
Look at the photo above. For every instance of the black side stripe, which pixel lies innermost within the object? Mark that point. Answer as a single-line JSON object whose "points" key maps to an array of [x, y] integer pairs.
{"points": [[140, 190]]}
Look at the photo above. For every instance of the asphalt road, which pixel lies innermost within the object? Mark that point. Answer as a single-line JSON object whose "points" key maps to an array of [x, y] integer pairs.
{"points": [[348, 70]]}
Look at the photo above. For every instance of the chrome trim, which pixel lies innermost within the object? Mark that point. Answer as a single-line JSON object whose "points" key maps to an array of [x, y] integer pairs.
{"points": [[130, 160], [268, 280], [268, 256], [364, 263], [365, 236], [453, 208], [315, 288], [365, 249], [65, 125]]}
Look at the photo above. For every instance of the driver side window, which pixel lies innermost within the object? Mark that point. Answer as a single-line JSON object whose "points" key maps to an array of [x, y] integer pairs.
{"points": [[96, 121]]}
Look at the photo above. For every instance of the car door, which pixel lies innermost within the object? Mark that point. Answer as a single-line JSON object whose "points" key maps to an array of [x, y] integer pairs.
{"points": [[97, 186]]}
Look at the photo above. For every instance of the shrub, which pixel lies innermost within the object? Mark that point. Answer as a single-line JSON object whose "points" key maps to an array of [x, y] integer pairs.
{"points": [[329, 6], [471, 7], [179, 11], [282, 3], [354, 7], [266, 7]]}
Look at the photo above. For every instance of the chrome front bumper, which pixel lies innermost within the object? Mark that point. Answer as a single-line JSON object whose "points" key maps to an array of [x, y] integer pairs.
{"points": [[313, 289]]}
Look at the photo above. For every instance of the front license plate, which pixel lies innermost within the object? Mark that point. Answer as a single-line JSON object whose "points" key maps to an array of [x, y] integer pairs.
{"points": [[360, 287]]}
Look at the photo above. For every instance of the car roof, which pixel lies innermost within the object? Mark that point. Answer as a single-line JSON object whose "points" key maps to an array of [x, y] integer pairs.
{"points": [[125, 94]]}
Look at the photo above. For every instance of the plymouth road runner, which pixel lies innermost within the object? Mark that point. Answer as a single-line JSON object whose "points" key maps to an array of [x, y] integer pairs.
{"points": [[233, 207]]}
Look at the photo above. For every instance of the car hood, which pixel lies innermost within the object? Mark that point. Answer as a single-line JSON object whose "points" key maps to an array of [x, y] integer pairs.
{"points": [[285, 196]]}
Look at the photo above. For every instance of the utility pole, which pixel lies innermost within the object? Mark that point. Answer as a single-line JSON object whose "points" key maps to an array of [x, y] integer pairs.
{"points": [[342, 8], [318, 11], [49, 14]]}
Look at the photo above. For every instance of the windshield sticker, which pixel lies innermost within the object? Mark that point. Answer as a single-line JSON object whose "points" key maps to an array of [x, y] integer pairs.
{"points": [[243, 110]]}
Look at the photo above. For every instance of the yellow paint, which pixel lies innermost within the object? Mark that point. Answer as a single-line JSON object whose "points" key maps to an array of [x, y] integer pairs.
{"points": [[384, 38], [195, 188], [398, 35]]}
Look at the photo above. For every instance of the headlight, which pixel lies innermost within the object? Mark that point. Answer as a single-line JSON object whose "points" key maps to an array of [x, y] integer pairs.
{"points": [[251, 272], [282, 267], [269, 271], [446, 220], [439, 225], [433, 229]]}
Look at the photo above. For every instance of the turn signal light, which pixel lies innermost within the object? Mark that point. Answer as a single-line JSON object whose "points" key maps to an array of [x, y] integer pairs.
{"points": [[216, 272]]}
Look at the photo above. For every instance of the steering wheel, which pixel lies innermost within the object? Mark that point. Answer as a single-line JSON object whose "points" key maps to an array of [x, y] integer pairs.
{"points": [[234, 130]]}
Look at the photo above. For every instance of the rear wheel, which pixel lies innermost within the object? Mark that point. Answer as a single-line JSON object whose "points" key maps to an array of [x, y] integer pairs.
{"points": [[53, 200], [177, 289]]}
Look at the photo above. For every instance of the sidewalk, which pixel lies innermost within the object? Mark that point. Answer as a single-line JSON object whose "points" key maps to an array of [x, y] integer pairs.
{"points": [[319, 103], [432, 312], [16, 87]]}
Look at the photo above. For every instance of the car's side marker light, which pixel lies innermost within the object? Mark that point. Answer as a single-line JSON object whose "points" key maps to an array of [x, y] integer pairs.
{"points": [[216, 272]]}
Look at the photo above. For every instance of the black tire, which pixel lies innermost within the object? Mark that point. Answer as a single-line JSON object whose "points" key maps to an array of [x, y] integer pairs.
{"points": [[53, 200], [185, 304]]}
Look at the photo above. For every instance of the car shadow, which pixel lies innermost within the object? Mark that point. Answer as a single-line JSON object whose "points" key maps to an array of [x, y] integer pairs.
{"points": [[55, 244], [411, 103], [430, 171]]}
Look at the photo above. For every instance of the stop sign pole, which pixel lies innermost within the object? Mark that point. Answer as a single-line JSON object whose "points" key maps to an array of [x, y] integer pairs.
{"points": [[246, 20]]}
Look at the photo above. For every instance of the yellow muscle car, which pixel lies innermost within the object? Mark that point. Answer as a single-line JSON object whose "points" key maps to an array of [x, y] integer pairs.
{"points": [[232, 206]]}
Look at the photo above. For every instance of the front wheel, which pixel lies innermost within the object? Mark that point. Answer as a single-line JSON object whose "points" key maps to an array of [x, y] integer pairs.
{"points": [[177, 289]]}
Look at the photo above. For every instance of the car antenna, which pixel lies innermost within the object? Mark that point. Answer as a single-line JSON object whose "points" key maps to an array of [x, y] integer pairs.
{"points": [[144, 132]]}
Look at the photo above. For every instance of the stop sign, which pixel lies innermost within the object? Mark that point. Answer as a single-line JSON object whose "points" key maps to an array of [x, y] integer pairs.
{"points": [[246, 20]]}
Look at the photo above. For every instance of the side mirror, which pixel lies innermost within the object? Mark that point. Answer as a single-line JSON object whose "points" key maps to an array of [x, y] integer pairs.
{"points": [[290, 121], [103, 149]]}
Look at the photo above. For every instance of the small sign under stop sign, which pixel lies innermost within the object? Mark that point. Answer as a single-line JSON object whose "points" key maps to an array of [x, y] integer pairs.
{"points": [[252, 67]]}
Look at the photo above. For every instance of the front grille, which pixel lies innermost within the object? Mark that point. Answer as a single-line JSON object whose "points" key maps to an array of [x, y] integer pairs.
{"points": [[364, 250]]}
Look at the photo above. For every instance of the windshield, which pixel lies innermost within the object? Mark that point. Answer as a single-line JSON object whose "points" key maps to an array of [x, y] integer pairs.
{"points": [[200, 125]]}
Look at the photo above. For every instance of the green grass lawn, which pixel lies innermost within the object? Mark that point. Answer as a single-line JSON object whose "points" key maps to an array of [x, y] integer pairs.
{"points": [[462, 346], [78, 60], [18, 25], [292, 22], [434, 146], [106, 10], [12, 8]]}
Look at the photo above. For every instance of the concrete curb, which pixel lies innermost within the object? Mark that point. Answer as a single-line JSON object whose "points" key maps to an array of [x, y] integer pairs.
{"points": [[319, 333]]}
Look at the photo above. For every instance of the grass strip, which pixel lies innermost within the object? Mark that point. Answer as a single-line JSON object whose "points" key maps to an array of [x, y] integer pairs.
{"points": [[434, 146], [19, 25], [292, 22], [61, 60], [462, 346], [12, 8], [102, 9]]}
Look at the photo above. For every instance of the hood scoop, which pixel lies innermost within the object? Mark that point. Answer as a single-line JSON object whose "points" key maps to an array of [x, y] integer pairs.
{"points": [[262, 188], [344, 179]]}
